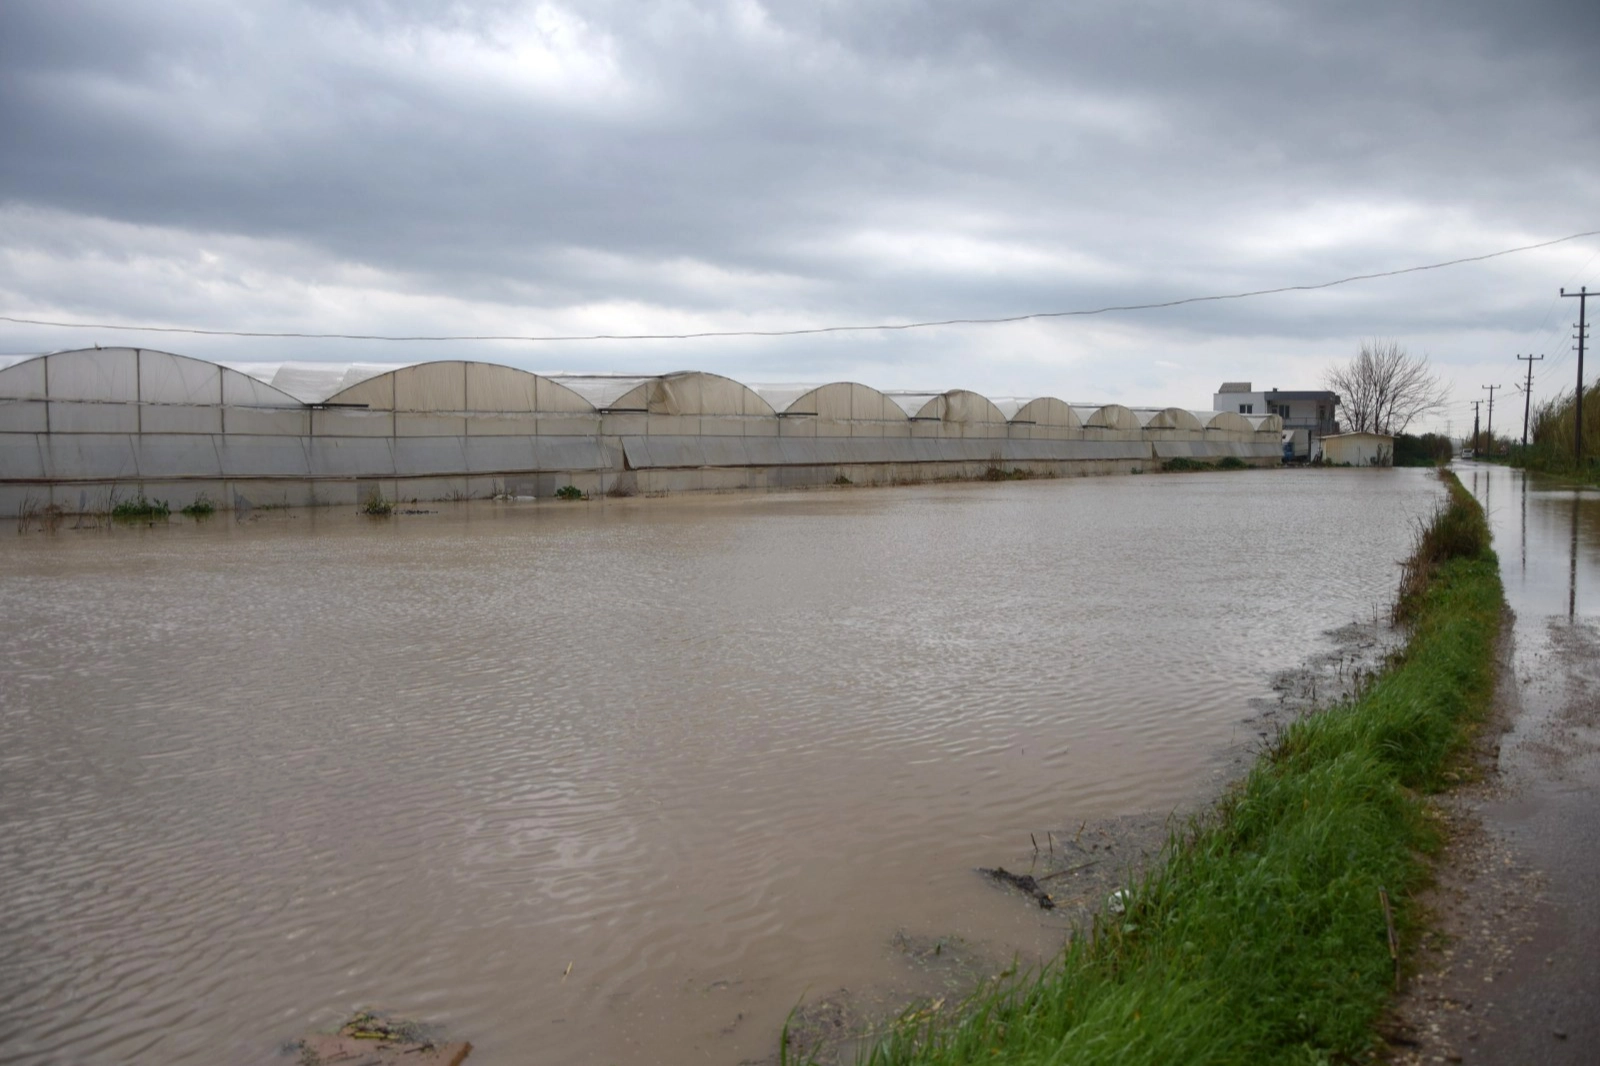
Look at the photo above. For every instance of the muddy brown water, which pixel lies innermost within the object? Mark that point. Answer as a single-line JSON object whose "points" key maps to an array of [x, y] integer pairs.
{"points": [[619, 781]]}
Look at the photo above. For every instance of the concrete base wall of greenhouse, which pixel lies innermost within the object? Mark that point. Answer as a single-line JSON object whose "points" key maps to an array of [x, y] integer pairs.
{"points": [[91, 473]]}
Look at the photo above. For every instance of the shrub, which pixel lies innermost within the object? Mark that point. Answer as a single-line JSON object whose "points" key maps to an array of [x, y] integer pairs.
{"points": [[202, 507], [140, 508]]}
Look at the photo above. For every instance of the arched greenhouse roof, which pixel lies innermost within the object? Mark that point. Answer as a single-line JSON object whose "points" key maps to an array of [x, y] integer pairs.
{"points": [[684, 392], [838, 400], [1106, 416], [956, 405], [1166, 418], [135, 375], [1265, 423], [461, 385], [1225, 421], [1039, 411]]}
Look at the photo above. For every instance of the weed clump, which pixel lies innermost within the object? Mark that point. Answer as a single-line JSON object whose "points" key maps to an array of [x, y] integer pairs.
{"points": [[202, 507], [570, 492], [139, 508], [376, 506], [1183, 464]]}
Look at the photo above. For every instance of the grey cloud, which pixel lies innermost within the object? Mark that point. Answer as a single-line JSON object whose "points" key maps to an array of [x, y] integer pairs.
{"points": [[1146, 135]]}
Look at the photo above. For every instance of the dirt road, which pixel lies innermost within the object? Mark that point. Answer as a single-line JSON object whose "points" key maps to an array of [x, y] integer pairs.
{"points": [[1514, 975]]}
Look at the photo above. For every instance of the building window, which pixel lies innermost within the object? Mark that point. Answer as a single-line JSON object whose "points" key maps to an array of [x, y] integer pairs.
{"points": [[1247, 408]]}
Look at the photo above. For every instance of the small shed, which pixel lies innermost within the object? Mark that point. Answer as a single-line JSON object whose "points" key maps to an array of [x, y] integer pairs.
{"points": [[1358, 449]]}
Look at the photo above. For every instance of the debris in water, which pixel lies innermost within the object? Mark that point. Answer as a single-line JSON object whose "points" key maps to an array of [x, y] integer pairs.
{"points": [[372, 1038], [1022, 882]]}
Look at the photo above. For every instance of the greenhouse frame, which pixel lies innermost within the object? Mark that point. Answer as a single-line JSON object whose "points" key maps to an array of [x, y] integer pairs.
{"points": [[82, 430]]}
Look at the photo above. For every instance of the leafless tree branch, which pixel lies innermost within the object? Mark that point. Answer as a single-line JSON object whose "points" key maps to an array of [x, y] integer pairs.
{"points": [[1384, 388]]}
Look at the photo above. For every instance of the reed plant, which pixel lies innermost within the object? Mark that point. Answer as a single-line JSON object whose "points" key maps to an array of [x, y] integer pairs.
{"points": [[1266, 932], [1552, 448]]}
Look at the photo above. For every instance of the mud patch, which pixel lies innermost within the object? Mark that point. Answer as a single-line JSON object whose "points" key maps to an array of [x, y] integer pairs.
{"points": [[379, 1038], [1360, 652]]}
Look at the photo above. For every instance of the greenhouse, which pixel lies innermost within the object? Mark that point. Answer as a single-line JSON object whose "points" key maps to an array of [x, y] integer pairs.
{"points": [[82, 430]]}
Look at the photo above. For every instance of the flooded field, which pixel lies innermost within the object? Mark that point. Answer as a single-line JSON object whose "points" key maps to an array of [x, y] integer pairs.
{"points": [[618, 781]]}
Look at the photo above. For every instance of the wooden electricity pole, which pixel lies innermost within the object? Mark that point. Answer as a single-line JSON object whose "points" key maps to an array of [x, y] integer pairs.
{"points": [[1491, 389], [1477, 442], [1583, 295], [1527, 396]]}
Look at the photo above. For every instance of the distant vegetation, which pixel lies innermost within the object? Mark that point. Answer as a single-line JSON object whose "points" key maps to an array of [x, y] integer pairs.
{"points": [[1266, 933], [1550, 444], [1429, 449]]}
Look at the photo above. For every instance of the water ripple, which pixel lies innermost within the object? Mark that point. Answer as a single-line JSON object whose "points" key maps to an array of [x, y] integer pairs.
{"points": [[254, 775]]}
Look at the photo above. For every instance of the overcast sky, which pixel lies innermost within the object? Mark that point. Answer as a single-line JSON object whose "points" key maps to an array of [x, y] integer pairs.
{"points": [[569, 168]]}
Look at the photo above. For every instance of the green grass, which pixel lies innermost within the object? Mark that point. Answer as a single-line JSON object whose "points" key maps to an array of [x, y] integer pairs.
{"points": [[138, 508], [376, 506], [1261, 937], [1544, 459]]}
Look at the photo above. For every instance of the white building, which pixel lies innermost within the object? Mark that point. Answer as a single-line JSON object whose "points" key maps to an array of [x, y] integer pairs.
{"points": [[1359, 449], [1308, 416]]}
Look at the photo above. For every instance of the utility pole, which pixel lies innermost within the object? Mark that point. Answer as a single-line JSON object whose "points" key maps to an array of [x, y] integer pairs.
{"points": [[1476, 442], [1527, 396], [1491, 389], [1583, 295]]}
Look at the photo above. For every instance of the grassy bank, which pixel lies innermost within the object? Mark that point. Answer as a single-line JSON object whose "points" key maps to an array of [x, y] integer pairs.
{"points": [[1551, 450], [1545, 460], [1263, 936]]}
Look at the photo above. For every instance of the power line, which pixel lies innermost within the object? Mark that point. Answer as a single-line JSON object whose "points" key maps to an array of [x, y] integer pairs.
{"points": [[708, 334]]}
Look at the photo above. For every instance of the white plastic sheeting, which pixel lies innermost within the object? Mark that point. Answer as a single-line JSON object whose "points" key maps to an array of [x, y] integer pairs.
{"points": [[1166, 418], [605, 391], [313, 382], [96, 423], [1111, 416]]}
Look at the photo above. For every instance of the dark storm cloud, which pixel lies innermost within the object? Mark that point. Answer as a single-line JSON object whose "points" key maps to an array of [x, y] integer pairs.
{"points": [[791, 163]]}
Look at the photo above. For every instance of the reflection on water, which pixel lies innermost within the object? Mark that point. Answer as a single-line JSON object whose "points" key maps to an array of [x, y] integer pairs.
{"points": [[1554, 527], [612, 782]]}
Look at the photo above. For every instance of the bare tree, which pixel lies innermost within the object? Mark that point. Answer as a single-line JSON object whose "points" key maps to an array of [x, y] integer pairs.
{"points": [[1384, 388]]}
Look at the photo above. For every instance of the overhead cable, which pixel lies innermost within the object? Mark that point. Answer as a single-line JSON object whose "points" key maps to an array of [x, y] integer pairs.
{"points": [[708, 334]]}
